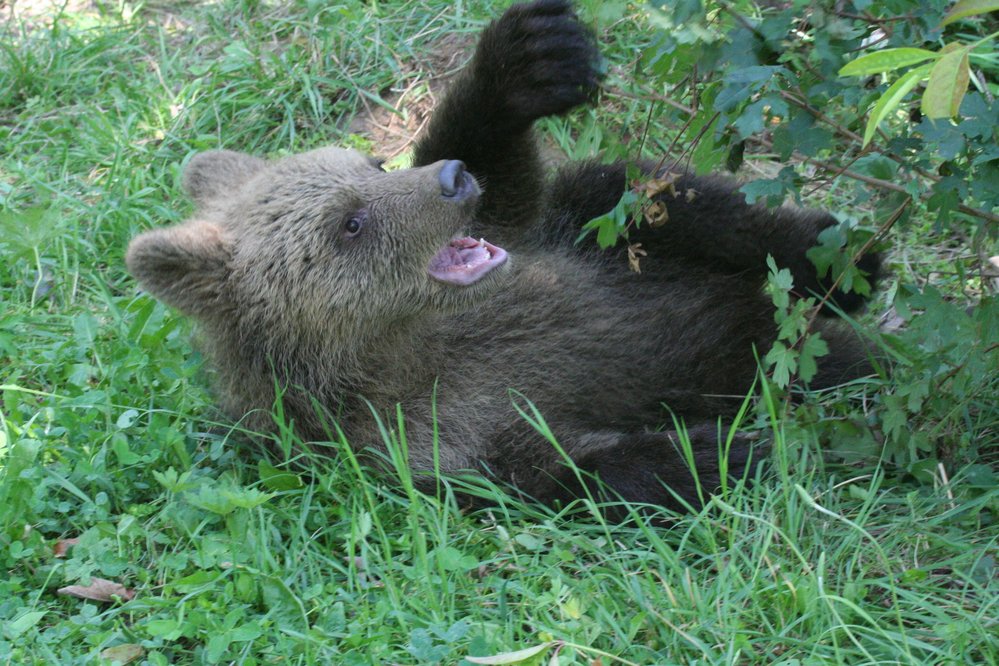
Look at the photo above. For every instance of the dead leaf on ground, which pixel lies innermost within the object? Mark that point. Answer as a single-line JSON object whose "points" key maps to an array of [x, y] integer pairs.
{"points": [[99, 589], [62, 546], [393, 127], [123, 654]]}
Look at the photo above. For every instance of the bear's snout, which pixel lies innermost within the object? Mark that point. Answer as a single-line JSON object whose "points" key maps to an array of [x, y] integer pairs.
{"points": [[455, 182]]}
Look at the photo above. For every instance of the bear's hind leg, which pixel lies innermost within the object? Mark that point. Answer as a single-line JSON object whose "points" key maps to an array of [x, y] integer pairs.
{"points": [[648, 468]]}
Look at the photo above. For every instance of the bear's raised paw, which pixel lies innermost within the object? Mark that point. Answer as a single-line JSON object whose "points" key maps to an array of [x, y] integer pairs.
{"points": [[538, 60]]}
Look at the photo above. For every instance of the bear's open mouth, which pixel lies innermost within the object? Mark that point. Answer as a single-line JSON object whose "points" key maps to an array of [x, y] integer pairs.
{"points": [[465, 261]]}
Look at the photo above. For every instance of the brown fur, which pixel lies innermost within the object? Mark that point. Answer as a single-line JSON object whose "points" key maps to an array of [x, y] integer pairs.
{"points": [[357, 325]]}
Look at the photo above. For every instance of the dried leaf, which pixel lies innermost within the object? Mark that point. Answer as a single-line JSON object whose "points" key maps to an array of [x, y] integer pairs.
{"points": [[123, 654], [62, 546], [634, 252], [948, 83], [655, 213], [691, 194], [656, 186], [99, 589]]}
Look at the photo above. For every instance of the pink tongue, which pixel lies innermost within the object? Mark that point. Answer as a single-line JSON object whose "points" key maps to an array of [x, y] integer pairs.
{"points": [[465, 260], [472, 256]]}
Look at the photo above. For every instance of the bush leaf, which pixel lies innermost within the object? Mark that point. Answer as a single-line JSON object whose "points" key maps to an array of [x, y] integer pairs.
{"points": [[892, 97], [886, 61], [965, 8], [948, 83]]}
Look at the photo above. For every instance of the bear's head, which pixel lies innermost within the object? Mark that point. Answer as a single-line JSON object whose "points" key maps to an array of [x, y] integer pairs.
{"points": [[318, 245]]}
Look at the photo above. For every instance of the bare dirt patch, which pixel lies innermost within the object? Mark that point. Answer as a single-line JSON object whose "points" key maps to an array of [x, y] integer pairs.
{"points": [[31, 15], [394, 130], [41, 13]]}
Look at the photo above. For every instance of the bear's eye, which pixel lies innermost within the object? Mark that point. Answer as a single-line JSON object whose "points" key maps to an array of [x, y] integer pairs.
{"points": [[352, 225]]}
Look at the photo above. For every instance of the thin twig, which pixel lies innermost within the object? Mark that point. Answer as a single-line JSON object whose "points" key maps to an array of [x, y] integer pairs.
{"points": [[818, 115], [693, 143], [874, 182], [668, 101], [742, 20], [826, 166]]}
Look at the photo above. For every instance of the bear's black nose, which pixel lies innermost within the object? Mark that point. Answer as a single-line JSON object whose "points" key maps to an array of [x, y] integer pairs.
{"points": [[452, 177]]}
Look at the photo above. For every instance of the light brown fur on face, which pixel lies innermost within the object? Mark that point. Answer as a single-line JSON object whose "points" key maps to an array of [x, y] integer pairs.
{"points": [[279, 285], [312, 273]]}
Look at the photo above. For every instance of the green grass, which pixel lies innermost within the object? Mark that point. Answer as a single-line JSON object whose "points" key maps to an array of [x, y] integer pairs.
{"points": [[108, 433]]}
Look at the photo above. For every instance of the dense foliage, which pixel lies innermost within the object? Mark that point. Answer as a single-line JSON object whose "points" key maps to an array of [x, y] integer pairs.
{"points": [[743, 82]]}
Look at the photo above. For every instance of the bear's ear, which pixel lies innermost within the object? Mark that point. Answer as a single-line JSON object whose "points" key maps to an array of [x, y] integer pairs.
{"points": [[216, 173], [186, 266]]}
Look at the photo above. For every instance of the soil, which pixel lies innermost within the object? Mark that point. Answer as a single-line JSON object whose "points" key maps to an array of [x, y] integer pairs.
{"points": [[394, 131]]}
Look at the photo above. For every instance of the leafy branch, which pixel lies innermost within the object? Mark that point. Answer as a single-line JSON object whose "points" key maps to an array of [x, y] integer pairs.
{"points": [[946, 76]]}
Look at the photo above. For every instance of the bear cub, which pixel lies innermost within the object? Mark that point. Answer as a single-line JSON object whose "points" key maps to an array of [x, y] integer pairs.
{"points": [[454, 290]]}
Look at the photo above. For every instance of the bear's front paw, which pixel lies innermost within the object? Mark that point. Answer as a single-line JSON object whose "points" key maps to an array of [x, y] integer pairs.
{"points": [[537, 60]]}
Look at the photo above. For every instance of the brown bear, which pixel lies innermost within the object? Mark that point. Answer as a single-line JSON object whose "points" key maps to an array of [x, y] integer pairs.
{"points": [[454, 290]]}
